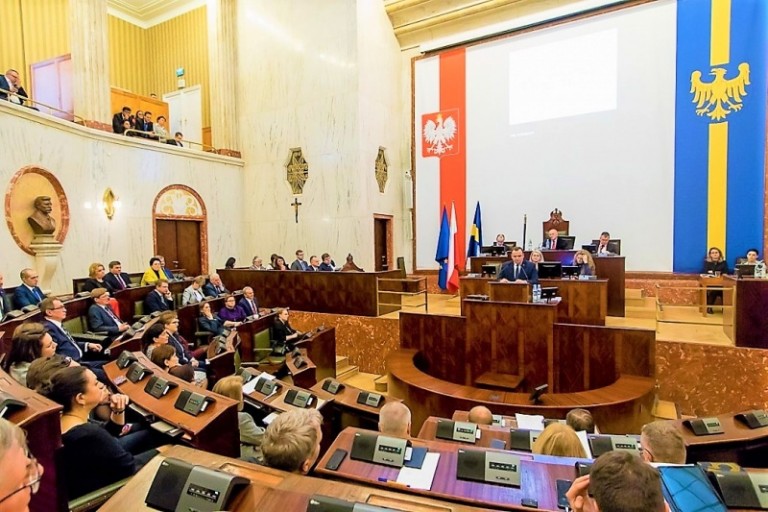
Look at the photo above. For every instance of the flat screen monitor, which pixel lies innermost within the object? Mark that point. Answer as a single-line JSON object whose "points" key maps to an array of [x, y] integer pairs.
{"points": [[590, 248], [570, 271], [548, 293], [494, 250], [745, 270], [550, 270], [489, 270]]}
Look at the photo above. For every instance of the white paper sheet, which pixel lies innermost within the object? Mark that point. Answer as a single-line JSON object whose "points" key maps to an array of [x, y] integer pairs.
{"points": [[584, 442], [530, 422], [420, 478]]}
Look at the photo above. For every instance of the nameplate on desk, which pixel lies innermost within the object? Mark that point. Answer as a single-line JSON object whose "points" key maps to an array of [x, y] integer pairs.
{"points": [[743, 489], [369, 447], [158, 387], [523, 439], [266, 386], [299, 398], [488, 466], [247, 375], [9, 404], [299, 362], [192, 403], [137, 371], [704, 426], [600, 444], [498, 420], [754, 419], [369, 399], [456, 431], [125, 359], [332, 386], [319, 503]]}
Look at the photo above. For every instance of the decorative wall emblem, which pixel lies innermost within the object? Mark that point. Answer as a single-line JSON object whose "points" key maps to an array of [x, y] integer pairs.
{"points": [[381, 169], [297, 171], [178, 202], [439, 133], [721, 96], [35, 203]]}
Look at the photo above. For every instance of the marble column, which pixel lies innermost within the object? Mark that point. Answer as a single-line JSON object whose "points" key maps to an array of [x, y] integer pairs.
{"points": [[222, 66], [90, 59]]}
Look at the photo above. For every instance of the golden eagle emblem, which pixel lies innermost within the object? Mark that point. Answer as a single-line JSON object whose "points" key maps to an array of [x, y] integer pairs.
{"points": [[721, 96]]}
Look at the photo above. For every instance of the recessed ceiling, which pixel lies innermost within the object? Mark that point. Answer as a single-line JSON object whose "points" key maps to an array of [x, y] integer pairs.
{"points": [[146, 13]]}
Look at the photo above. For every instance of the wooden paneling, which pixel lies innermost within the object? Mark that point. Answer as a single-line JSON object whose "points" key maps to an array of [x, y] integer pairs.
{"points": [[750, 324], [120, 98], [430, 334]]}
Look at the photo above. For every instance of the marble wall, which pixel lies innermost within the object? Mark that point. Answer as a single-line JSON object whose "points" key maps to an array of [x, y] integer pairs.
{"points": [[324, 77], [86, 162]]}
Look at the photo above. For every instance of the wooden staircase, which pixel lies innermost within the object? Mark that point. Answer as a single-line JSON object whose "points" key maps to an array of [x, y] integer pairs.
{"points": [[351, 374], [637, 305]]}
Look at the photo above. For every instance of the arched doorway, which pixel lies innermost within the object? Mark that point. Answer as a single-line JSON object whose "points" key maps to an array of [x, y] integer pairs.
{"points": [[180, 229]]}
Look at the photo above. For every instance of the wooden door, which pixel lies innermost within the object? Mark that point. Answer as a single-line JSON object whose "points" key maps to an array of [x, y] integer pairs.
{"points": [[179, 242], [380, 259]]}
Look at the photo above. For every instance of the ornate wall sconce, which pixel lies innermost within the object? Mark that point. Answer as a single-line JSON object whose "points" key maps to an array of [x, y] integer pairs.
{"points": [[111, 203]]}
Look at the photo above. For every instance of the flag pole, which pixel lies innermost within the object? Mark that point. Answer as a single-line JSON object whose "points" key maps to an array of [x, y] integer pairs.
{"points": [[525, 229]]}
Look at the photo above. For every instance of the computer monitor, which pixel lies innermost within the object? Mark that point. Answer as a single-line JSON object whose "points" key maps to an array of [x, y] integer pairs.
{"points": [[548, 293], [590, 248], [570, 241], [489, 270], [570, 271], [550, 269], [745, 270], [494, 250]]}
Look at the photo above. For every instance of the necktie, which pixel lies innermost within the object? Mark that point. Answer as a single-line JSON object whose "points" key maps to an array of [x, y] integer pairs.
{"points": [[37, 294], [69, 336], [121, 282], [253, 306], [517, 270], [112, 315], [2, 301]]}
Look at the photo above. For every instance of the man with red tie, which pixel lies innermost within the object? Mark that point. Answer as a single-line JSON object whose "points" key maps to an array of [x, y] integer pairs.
{"points": [[116, 278], [554, 242]]}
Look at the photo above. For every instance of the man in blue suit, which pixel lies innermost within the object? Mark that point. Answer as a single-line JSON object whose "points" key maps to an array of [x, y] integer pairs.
{"points": [[159, 299], [116, 278], [5, 301], [28, 293], [518, 270], [248, 303], [101, 318], [215, 287], [11, 82]]}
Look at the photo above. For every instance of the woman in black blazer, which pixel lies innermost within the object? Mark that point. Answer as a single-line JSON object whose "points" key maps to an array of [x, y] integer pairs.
{"points": [[715, 264]]}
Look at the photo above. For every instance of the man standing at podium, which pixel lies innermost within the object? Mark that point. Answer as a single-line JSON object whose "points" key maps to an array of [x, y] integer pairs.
{"points": [[518, 270]]}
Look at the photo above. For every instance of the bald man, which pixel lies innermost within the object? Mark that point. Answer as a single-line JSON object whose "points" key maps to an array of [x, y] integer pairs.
{"points": [[481, 415], [395, 420]]}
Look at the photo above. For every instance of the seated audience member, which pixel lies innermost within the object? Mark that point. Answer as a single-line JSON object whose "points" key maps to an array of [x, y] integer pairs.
{"points": [[314, 264], [159, 299], [518, 270], [215, 287], [101, 318], [149, 126], [54, 312], [212, 323], [97, 279], [127, 129], [619, 481], [28, 293], [177, 140], [116, 279], [29, 341], [752, 257], [165, 357], [153, 273], [21, 471], [326, 265], [160, 130], [580, 419], [554, 242], [481, 415], [536, 257], [12, 83], [248, 303], [193, 294], [350, 266], [715, 264], [282, 332], [171, 323], [279, 263], [272, 261], [231, 311], [603, 248], [138, 120], [661, 441], [292, 440], [499, 242], [41, 369], [395, 420], [559, 440], [230, 263], [299, 263], [165, 271], [251, 435], [583, 260], [92, 456], [256, 264], [155, 336], [5, 300], [119, 120]]}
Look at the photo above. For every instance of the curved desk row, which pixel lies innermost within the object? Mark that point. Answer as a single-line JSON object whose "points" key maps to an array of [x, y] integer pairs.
{"points": [[619, 408]]}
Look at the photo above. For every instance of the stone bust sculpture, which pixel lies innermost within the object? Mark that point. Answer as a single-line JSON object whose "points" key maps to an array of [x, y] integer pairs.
{"points": [[41, 221]]}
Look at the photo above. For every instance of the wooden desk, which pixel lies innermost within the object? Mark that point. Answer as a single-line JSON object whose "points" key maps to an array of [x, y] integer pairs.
{"points": [[349, 412], [444, 486], [428, 432], [509, 421], [272, 490], [738, 443], [321, 349], [40, 419], [611, 268], [215, 429], [746, 323], [508, 292], [348, 293], [706, 282], [128, 298]]}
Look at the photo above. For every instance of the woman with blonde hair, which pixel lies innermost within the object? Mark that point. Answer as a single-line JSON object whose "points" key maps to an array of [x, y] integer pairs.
{"points": [[583, 260], [560, 440], [96, 273], [251, 435], [536, 257]]}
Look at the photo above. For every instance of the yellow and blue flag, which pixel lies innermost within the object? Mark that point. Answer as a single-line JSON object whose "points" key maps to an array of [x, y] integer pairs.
{"points": [[475, 234]]}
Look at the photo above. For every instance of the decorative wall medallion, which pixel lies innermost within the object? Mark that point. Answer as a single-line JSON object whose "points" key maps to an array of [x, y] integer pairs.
{"points": [[297, 171], [180, 202], [381, 169], [35, 198]]}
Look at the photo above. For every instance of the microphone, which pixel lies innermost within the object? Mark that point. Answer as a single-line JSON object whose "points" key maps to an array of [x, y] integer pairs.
{"points": [[522, 267]]}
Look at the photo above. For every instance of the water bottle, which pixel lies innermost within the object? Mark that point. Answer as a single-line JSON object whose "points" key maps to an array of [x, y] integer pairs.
{"points": [[530, 244], [536, 293]]}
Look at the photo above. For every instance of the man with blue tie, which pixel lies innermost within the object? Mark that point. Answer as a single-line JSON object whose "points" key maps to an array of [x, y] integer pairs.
{"points": [[28, 292], [299, 263], [248, 303], [159, 299], [518, 270], [101, 318]]}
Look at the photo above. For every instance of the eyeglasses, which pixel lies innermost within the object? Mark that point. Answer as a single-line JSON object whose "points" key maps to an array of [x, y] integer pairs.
{"points": [[60, 307], [31, 480]]}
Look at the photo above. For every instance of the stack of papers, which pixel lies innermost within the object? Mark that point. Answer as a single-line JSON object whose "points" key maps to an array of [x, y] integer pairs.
{"points": [[420, 478]]}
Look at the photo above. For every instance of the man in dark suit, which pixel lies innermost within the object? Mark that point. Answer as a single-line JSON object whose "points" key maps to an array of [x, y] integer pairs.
{"points": [[28, 292], [163, 269], [314, 264], [5, 301], [101, 318], [11, 82], [116, 278], [119, 119], [518, 270], [215, 287], [248, 303], [299, 263], [176, 140], [327, 264], [554, 242], [604, 245], [159, 299]]}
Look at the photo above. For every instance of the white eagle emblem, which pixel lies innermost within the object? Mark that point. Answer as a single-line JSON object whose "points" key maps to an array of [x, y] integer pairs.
{"points": [[721, 96], [439, 134]]}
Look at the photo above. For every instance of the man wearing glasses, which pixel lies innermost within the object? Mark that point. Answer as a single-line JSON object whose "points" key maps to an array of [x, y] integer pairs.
{"points": [[28, 293], [21, 473]]}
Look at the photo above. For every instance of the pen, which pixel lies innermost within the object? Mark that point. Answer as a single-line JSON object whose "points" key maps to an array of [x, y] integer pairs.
{"points": [[392, 482]]}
